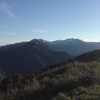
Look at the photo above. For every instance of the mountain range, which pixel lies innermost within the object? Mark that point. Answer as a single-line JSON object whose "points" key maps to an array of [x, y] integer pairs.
{"points": [[37, 54], [74, 47], [29, 56]]}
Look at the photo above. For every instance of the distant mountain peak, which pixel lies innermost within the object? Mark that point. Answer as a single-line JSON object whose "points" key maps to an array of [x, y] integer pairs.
{"points": [[38, 40], [74, 39]]}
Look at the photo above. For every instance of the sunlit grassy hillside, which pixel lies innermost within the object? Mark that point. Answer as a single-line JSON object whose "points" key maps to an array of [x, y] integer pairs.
{"points": [[77, 81]]}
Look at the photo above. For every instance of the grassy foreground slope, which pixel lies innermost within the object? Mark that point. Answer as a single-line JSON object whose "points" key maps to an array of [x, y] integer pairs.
{"points": [[77, 81]]}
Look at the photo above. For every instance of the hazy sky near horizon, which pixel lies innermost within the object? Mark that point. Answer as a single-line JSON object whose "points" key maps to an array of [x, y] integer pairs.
{"points": [[22, 20]]}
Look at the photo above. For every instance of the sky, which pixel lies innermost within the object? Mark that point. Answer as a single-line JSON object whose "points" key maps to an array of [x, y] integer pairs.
{"points": [[22, 20]]}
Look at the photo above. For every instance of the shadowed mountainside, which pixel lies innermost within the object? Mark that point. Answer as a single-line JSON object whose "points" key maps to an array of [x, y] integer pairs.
{"points": [[90, 56], [38, 54], [29, 56]]}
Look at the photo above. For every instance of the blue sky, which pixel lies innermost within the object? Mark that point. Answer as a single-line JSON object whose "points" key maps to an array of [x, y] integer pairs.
{"points": [[22, 20]]}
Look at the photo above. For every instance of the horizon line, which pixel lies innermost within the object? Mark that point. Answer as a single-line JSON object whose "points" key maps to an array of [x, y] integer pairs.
{"points": [[14, 42]]}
